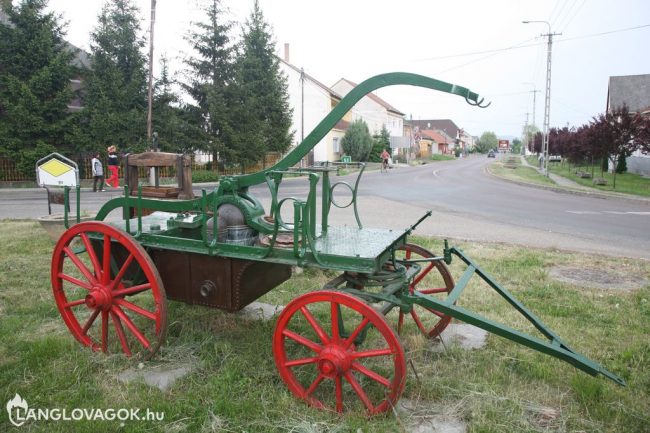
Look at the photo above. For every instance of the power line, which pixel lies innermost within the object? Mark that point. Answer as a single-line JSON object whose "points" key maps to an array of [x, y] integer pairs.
{"points": [[518, 46], [574, 15]]}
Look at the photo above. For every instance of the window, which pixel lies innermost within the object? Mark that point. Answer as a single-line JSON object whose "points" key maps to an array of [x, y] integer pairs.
{"points": [[336, 147]]}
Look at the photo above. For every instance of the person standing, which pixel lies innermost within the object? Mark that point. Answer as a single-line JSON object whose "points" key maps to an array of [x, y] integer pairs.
{"points": [[98, 173], [113, 168]]}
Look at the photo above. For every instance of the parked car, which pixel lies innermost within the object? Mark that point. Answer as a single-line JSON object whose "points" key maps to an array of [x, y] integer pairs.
{"points": [[491, 154]]}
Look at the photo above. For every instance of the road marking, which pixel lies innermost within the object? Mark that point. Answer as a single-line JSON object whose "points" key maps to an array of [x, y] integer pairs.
{"points": [[610, 212]]}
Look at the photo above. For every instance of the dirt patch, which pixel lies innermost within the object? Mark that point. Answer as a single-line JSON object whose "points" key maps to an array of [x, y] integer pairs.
{"points": [[600, 278]]}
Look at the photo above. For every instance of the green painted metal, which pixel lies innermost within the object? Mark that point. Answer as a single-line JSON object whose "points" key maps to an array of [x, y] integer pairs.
{"points": [[554, 346], [181, 225]]}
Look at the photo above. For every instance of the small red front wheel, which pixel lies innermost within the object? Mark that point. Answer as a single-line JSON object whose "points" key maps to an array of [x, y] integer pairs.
{"points": [[108, 291], [337, 353]]}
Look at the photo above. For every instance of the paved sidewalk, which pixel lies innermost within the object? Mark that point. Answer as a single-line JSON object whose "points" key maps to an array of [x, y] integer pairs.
{"points": [[560, 180]]}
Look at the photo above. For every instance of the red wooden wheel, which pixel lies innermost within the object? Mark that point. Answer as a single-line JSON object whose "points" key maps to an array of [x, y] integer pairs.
{"points": [[434, 279], [337, 353], [108, 291]]}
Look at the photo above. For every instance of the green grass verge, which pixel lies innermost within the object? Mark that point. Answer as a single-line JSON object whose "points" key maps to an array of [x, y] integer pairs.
{"points": [[514, 170], [234, 385], [628, 183]]}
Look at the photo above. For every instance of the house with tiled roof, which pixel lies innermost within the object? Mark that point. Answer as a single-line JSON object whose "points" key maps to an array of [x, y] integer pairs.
{"points": [[433, 142], [633, 91]]}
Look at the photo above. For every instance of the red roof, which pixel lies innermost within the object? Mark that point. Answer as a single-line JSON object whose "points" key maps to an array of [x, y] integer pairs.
{"points": [[433, 135]]}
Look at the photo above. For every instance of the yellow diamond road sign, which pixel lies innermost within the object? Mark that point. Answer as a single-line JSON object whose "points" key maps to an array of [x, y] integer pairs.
{"points": [[55, 167], [57, 170]]}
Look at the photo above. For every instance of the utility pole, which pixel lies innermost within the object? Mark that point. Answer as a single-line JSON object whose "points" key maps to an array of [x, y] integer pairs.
{"points": [[526, 135], [153, 174], [547, 103], [150, 95]]}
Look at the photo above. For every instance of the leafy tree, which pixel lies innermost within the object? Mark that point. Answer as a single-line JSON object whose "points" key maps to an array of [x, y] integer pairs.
{"points": [[380, 143], [116, 99], [35, 73], [488, 140], [528, 134], [357, 141], [516, 146], [177, 132], [263, 89], [211, 75], [614, 133]]}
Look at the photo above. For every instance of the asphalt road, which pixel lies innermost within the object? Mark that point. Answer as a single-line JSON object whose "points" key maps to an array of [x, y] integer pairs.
{"points": [[467, 203]]}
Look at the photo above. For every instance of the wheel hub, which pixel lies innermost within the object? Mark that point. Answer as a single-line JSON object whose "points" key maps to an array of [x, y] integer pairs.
{"points": [[99, 297], [334, 361]]}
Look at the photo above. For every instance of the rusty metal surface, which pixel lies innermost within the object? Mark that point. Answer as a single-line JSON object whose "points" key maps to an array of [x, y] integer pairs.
{"points": [[220, 282]]}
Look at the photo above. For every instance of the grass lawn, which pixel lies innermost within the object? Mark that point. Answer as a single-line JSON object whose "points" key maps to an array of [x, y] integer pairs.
{"points": [[629, 183], [234, 385], [516, 171]]}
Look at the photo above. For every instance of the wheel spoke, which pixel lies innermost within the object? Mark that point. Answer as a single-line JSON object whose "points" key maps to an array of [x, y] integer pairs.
{"points": [[106, 265], [423, 273], [437, 313], [74, 303], [121, 272], [431, 291], [360, 392], [356, 332], [371, 374], [314, 324], [80, 265], [89, 322], [314, 385], [301, 361], [339, 394], [93, 257], [120, 333], [131, 290], [372, 353], [104, 331], [73, 280], [129, 324], [336, 334], [302, 340], [417, 321], [136, 309]]}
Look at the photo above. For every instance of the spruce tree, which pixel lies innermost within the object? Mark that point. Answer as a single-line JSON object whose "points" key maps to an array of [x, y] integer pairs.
{"points": [[35, 73], [175, 132], [211, 77], [116, 99], [264, 87], [357, 141]]}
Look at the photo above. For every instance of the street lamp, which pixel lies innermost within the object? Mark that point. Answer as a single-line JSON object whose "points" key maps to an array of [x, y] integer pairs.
{"points": [[547, 105]]}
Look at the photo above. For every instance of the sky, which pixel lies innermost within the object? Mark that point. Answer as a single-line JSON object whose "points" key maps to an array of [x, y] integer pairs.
{"points": [[481, 45]]}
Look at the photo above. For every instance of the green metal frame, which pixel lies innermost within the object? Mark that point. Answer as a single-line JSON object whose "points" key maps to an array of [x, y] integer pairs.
{"points": [[181, 225]]}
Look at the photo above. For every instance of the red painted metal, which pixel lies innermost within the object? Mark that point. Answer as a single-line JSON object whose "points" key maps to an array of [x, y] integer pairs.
{"points": [[330, 371], [93, 273], [421, 315]]}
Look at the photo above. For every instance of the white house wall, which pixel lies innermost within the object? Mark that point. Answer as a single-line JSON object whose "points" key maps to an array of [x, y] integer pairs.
{"points": [[374, 114], [317, 105]]}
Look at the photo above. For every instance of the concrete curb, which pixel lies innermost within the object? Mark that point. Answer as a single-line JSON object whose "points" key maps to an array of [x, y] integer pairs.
{"points": [[567, 190]]}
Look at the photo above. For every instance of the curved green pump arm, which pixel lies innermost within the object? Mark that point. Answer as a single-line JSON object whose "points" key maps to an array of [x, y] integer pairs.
{"points": [[346, 104]]}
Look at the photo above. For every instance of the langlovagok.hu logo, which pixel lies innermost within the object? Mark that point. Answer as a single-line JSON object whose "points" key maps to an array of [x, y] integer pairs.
{"points": [[20, 412]]}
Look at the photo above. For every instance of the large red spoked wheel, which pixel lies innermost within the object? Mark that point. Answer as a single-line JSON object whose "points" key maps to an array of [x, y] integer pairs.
{"points": [[337, 353], [434, 279], [108, 290]]}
